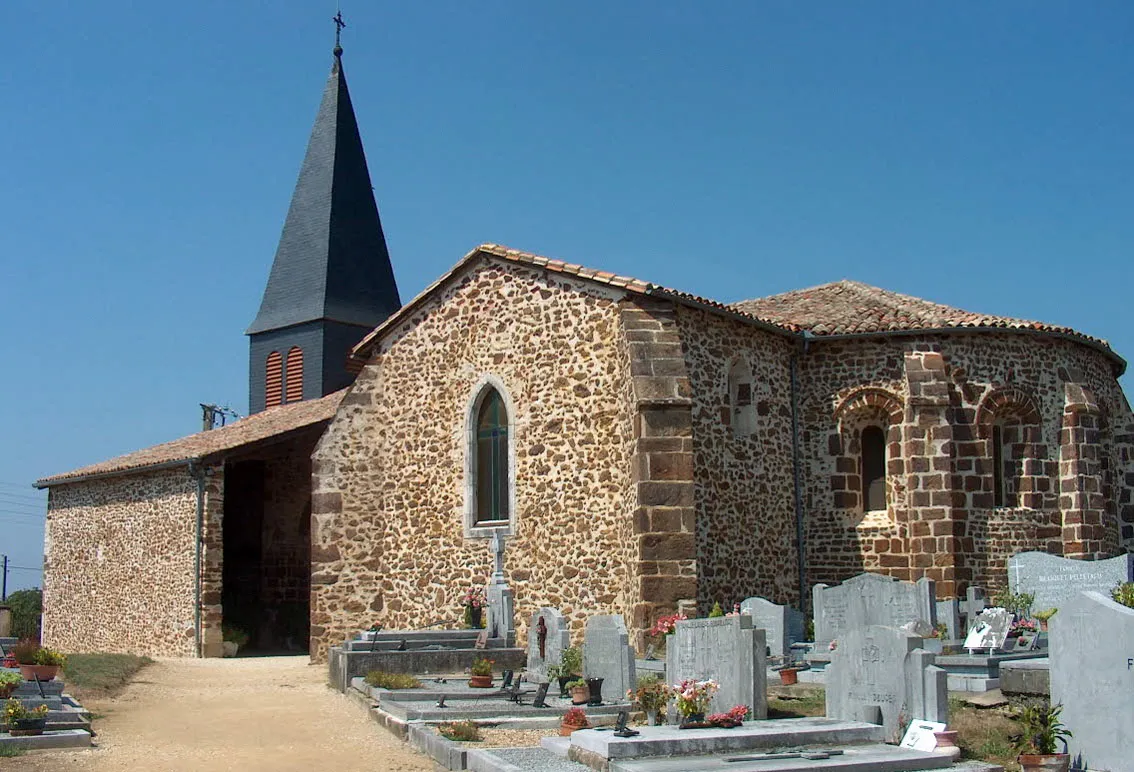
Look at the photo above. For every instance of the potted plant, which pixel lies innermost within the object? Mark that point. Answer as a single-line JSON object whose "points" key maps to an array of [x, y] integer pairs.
{"points": [[37, 662], [652, 695], [789, 674], [573, 720], [569, 668], [24, 722], [580, 694], [473, 600], [730, 720], [1044, 617], [692, 698], [8, 684], [481, 673], [1042, 731]]}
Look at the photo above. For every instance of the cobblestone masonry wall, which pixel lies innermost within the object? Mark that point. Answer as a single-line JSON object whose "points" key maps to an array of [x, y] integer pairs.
{"points": [[938, 397], [120, 576], [746, 539], [388, 538]]}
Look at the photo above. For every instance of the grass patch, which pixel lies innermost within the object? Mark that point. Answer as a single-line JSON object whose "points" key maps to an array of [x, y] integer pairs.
{"points": [[460, 731], [810, 703], [101, 674], [11, 751], [384, 680], [984, 733]]}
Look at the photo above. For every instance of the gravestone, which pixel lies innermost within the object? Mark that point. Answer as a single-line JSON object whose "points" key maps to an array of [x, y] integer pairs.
{"points": [[949, 614], [990, 630], [782, 625], [870, 599], [976, 601], [501, 603], [1092, 675], [607, 654], [880, 675], [1055, 580], [548, 636], [728, 650]]}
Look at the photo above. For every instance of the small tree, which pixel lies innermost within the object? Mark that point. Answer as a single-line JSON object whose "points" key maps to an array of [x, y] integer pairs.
{"points": [[27, 606]]}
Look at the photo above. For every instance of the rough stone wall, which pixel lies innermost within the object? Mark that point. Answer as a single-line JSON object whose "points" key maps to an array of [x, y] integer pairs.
{"points": [[118, 573], [744, 481], [937, 397], [388, 507]]}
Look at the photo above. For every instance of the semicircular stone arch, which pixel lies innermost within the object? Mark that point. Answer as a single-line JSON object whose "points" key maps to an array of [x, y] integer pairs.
{"points": [[1005, 402]]}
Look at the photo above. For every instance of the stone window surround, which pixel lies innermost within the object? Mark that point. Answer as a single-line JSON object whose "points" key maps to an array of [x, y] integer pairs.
{"points": [[1015, 411], [738, 375], [486, 529], [865, 407]]}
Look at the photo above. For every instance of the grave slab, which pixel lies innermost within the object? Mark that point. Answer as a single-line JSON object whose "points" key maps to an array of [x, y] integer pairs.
{"points": [[866, 758], [782, 625], [520, 760], [1029, 676], [62, 739], [1092, 675], [607, 654], [1055, 580]]}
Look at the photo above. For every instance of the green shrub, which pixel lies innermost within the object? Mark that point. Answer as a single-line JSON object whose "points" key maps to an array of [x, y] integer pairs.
{"points": [[460, 731], [384, 680], [27, 607], [717, 611], [1123, 593], [571, 661]]}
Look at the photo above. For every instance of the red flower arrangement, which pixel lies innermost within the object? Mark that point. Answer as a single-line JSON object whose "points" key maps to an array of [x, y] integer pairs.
{"points": [[733, 718], [666, 624]]}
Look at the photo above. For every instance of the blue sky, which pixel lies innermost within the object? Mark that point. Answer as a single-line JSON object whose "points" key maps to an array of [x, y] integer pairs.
{"points": [[977, 154]]}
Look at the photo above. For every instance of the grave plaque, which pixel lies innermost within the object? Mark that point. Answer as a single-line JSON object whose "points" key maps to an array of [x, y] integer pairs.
{"points": [[548, 636], [990, 630], [871, 599], [1092, 676], [507, 675], [726, 649], [878, 673], [481, 640], [783, 625], [607, 654], [540, 700], [1055, 580]]}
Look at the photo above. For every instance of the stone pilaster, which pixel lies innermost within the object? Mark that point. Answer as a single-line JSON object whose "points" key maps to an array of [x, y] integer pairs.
{"points": [[212, 562], [1080, 477], [664, 523]]}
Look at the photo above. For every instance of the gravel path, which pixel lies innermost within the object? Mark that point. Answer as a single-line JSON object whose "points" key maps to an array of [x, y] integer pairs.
{"points": [[265, 713]]}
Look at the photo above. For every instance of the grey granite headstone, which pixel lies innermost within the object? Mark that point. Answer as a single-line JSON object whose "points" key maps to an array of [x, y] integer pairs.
{"points": [[782, 625], [949, 614], [870, 599], [880, 670], [1054, 580], [990, 629], [607, 654], [555, 637], [726, 649], [976, 601], [501, 622], [1092, 675]]}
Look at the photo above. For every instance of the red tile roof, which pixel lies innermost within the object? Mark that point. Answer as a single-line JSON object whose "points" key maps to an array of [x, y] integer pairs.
{"points": [[255, 428], [850, 307]]}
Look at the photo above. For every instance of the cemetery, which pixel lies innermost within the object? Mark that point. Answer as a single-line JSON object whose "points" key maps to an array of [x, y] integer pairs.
{"points": [[37, 713]]}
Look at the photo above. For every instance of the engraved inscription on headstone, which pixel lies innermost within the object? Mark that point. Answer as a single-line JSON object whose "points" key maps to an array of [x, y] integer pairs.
{"points": [[726, 649], [1055, 580], [871, 599]]}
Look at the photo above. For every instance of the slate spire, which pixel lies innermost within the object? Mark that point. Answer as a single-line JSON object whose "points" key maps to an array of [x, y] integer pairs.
{"points": [[331, 276]]}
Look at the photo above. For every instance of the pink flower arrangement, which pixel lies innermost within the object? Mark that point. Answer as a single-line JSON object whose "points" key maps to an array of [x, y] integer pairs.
{"points": [[734, 717], [666, 624], [694, 696], [473, 597]]}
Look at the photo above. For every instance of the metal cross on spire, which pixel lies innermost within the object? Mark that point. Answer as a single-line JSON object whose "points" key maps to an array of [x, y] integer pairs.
{"points": [[339, 24]]}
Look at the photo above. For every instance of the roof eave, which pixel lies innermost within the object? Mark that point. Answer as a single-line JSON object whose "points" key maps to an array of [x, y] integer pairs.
{"points": [[51, 482]]}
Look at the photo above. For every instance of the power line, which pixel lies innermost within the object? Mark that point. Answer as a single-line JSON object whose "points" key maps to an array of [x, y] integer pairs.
{"points": [[28, 500]]}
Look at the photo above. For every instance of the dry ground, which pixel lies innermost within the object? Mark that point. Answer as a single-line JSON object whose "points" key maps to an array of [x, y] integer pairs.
{"points": [[270, 713]]}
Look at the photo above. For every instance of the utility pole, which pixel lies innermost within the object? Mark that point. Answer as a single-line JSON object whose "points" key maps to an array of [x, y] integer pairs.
{"points": [[4, 582]]}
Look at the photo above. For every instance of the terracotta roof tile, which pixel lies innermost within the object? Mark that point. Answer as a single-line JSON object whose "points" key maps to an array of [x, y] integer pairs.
{"points": [[850, 307], [254, 428]]}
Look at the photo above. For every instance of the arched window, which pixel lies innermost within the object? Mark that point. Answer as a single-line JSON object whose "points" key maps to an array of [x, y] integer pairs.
{"points": [[273, 380], [742, 411], [491, 463], [873, 443], [998, 492], [294, 374]]}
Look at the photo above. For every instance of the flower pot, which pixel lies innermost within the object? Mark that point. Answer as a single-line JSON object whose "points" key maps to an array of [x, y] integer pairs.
{"points": [[580, 695], [480, 681], [947, 744], [594, 686], [42, 672], [693, 721], [27, 727], [563, 681], [474, 616], [1054, 762], [9, 661], [788, 676], [566, 729], [229, 648], [651, 718]]}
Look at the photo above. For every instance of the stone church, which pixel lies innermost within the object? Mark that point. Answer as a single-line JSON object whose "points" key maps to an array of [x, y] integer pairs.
{"points": [[643, 449]]}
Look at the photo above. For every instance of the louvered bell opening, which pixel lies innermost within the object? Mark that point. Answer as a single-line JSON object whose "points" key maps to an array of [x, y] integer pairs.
{"points": [[273, 380], [295, 374]]}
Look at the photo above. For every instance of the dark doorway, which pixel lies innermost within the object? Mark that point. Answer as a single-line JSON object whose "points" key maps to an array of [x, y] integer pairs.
{"points": [[267, 547]]}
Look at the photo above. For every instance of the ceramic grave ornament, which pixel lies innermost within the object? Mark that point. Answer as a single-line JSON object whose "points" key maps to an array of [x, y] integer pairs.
{"points": [[990, 630]]}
